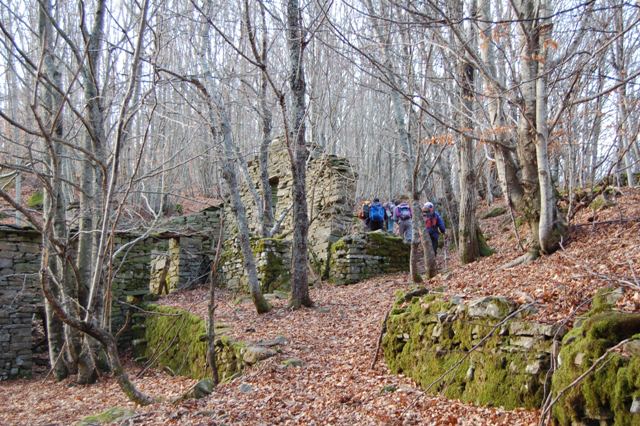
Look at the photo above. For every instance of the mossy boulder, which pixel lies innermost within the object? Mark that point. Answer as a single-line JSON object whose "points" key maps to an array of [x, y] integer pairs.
{"points": [[607, 395], [494, 212], [466, 351], [176, 339], [112, 415]]}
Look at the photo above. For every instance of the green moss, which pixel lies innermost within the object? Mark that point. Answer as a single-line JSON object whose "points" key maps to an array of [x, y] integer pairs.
{"points": [[174, 340], [386, 245], [427, 336], [36, 200], [338, 245], [495, 212], [485, 250], [272, 271], [112, 415], [607, 393]]}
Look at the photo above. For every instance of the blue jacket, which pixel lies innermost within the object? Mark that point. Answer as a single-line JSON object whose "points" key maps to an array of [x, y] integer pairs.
{"points": [[434, 223]]}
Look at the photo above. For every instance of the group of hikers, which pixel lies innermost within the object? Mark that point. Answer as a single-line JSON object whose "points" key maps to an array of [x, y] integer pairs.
{"points": [[397, 218]]}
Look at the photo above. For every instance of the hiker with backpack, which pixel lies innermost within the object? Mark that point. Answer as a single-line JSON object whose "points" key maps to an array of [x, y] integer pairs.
{"points": [[403, 216], [434, 224], [377, 215], [390, 207], [364, 213]]}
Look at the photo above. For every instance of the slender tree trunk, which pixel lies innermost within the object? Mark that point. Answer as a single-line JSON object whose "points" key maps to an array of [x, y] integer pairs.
{"points": [[550, 232], [298, 155], [469, 247], [62, 351], [229, 158], [529, 204]]}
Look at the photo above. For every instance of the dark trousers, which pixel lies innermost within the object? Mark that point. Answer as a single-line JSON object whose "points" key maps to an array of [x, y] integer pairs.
{"points": [[374, 225], [434, 243]]}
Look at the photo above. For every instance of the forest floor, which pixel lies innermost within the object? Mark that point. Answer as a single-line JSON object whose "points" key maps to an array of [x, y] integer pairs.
{"points": [[337, 338]]}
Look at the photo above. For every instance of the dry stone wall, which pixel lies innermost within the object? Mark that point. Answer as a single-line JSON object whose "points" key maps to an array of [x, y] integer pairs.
{"points": [[189, 247], [19, 298], [273, 257], [487, 352], [482, 351], [331, 185], [367, 254]]}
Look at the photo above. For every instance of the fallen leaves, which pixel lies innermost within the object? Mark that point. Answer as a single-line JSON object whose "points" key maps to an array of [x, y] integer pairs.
{"points": [[336, 339]]}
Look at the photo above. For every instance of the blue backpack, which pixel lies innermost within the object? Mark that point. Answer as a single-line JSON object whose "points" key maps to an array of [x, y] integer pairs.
{"points": [[376, 212]]}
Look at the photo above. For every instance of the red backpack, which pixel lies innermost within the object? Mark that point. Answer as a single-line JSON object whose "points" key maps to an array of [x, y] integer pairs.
{"points": [[431, 222]]}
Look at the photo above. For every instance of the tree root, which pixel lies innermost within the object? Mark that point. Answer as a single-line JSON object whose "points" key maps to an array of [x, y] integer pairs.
{"points": [[529, 256]]}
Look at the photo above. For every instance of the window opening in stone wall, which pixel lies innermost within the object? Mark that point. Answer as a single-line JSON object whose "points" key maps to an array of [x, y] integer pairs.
{"points": [[273, 183]]}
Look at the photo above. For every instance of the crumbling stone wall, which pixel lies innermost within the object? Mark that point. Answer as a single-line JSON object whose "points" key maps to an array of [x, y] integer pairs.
{"points": [[179, 262], [470, 350], [183, 249], [19, 298], [363, 255], [273, 258], [331, 185], [175, 339]]}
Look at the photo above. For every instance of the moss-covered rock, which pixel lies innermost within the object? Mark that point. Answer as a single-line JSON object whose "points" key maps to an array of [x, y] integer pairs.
{"points": [[36, 200], [176, 339], [494, 212], [112, 415], [607, 394], [464, 351]]}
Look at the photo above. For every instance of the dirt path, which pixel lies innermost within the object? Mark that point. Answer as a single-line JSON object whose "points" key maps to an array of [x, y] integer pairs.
{"points": [[335, 385]]}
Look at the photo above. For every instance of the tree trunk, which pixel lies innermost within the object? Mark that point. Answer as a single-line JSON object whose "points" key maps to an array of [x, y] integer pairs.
{"points": [[529, 204], [298, 155], [230, 175], [549, 230], [469, 247]]}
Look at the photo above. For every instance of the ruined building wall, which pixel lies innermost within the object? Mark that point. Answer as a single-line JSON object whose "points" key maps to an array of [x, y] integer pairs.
{"points": [[19, 298], [331, 185], [189, 248]]}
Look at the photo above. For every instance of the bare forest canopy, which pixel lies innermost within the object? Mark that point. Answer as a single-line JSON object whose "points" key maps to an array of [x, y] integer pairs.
{"points": [[358, 56]]}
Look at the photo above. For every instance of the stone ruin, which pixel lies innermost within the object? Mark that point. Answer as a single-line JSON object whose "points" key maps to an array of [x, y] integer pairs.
{"points": [[19, 297], [175, 256], [178, 254], [331, 186]]}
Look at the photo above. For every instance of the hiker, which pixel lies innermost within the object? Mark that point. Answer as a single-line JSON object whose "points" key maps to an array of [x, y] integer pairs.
{"points": [[377, 215], [390, 207], [434, 224], [403, 216], [364, 213]]}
